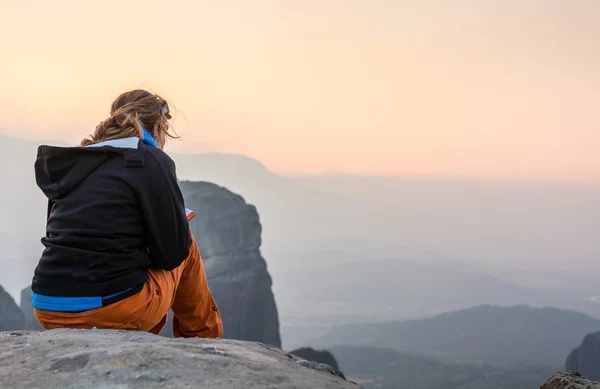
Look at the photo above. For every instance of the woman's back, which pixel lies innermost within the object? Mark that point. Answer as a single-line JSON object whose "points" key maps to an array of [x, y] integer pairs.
{"points": [[96, 231], [118, 249]]}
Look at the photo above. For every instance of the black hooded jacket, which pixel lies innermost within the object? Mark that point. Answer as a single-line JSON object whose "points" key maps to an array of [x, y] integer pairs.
{"points": [[114, 210]]}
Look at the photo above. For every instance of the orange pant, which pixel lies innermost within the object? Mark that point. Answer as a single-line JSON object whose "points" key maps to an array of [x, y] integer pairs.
{"points": [[184, 289]]}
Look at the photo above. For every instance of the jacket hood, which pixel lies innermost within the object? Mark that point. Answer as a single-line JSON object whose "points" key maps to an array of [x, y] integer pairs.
{"points": [[59, 170]]}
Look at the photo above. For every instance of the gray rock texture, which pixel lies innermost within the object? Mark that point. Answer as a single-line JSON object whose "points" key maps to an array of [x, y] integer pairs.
{"points": [[567, 380], [99, 359]]}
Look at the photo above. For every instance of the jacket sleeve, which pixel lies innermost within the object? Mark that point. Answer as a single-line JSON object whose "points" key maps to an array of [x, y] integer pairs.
{"points": [[162, 203]]}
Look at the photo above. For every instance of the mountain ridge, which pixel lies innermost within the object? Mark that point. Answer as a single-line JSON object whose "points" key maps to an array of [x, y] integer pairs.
{"points": [[487, 334]]}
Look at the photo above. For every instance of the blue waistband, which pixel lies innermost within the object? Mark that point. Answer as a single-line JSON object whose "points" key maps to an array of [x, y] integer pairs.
{"points": [[70, 304]]}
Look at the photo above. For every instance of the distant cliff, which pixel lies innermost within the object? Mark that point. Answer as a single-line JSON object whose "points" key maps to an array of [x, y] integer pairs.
{"points": [[585, 358], [228, 232], [30, 320], [320, 356], [11, 316]]}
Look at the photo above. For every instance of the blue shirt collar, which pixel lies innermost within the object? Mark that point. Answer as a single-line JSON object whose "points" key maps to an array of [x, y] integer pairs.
{"points": [[148, 139]]}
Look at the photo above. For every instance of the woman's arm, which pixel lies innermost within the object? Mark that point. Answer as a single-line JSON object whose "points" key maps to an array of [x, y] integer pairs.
{"points": [[162, 202]]}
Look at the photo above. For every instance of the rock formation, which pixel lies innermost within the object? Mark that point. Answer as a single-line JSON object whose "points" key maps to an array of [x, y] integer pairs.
{"points": [[97, 359], [228, 232], [585, 359], [11, 316], [320, 356], [30, 321], [566, 380], [572, 363]]}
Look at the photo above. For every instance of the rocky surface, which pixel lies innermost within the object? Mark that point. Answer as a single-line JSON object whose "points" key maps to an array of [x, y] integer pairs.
{"points": [[568, 380], [11, 316], [320, 356], [98, 359], [585, 359], [228, 232]]}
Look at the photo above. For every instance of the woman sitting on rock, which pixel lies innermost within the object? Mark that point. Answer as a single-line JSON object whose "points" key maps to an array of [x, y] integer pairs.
{"points": [[118, 248]]}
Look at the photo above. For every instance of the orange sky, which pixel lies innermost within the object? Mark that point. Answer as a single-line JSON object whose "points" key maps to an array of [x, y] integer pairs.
{"points": [[487, 88]]}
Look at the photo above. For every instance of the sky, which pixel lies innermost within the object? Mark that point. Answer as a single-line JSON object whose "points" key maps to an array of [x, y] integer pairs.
{"points": [[469, 88]]}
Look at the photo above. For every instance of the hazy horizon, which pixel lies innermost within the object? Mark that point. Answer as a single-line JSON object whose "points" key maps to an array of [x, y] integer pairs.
{"points": [[324, 175]]}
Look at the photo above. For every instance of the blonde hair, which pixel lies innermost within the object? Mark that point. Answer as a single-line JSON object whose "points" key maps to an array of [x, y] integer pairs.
{"points": [[130, 113]]}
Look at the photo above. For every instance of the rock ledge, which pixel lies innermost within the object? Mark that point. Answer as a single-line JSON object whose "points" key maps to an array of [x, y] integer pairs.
{"points": [[99, 359], [569, 380]]}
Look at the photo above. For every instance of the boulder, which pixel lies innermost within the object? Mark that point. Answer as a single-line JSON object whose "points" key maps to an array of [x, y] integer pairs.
{"points": [[320, 356], [569, 380], [11, 316], [98, 359], [585, 359]]}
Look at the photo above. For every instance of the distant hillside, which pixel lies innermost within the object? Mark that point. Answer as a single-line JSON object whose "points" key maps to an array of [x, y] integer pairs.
{"points": [[389, 369], [485, 334], [340, 284], [337, 287]]}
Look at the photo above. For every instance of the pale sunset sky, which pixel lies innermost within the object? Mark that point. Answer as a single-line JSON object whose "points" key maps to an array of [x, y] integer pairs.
{"points": [[465, 88]]}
